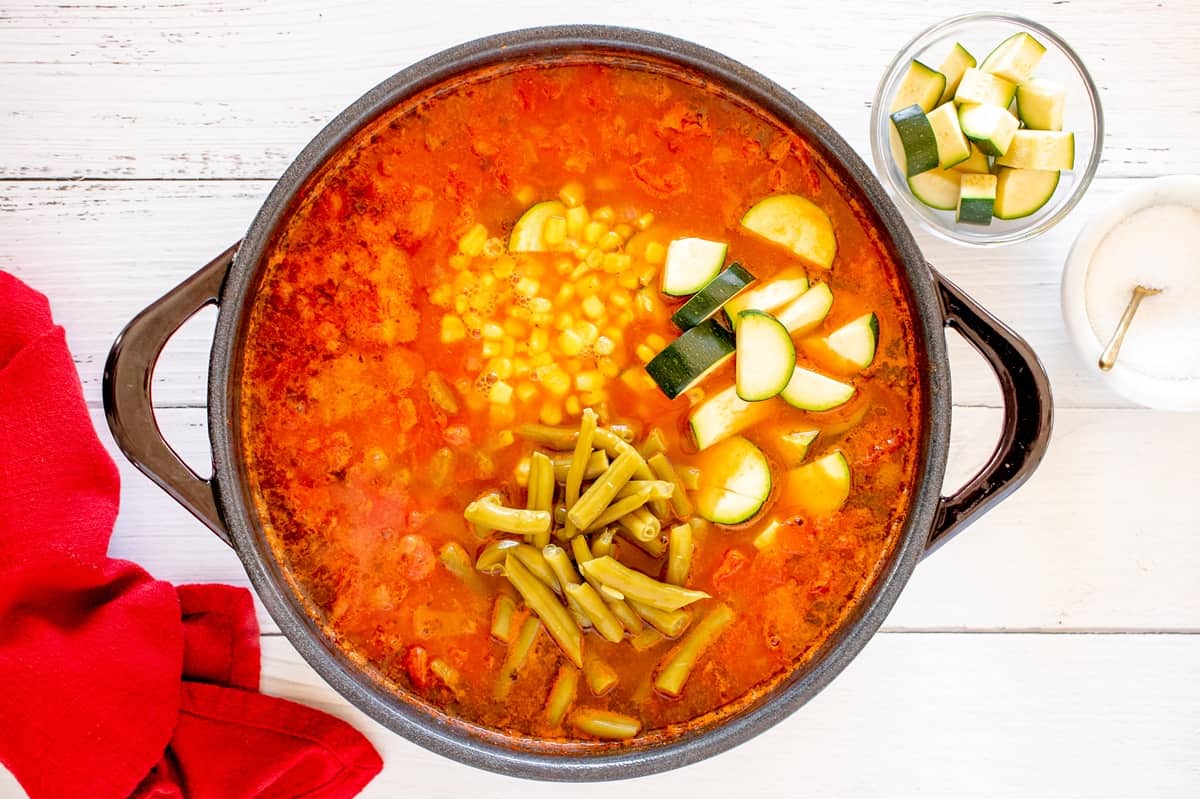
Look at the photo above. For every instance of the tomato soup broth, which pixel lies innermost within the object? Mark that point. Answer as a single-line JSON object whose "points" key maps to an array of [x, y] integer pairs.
{"points": [[397, 346]]}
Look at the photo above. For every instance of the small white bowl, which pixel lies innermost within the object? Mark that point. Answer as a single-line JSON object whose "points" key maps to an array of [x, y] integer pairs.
{"points": [[1175, 394]]}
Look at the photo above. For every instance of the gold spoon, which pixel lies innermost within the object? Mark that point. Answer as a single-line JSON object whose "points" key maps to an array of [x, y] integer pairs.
{"points": [[1109, 356]]}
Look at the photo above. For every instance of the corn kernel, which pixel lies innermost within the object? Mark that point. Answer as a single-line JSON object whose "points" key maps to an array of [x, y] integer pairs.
{"points": [[645, 303], [644, 221], [571, 194], [656, 341], [464, 281], [579, 271], [503, 268], [577, 219], [625, 319], [501, 368], [593, 307], [494, 247], [589, 381], [526, 392], [541, 305], [517, 312], [644, 353], [565, 293], [581, 252], [521, 472], [527, 287], [542, 319], [628, 279], [610, 241], [472, 242], [499, 414], [564, 266], [587, 332], [508, 347], [619, 298], [461, 304], [473, 321], [564, 321], [515, 328], [655, 253], [526, 195], [605, 346], [604, 214], [541, 359], [551, 412], [594, 259], [453, 329], [460, 261], [623, 230], [521, 366], [441, 296], [593, 397], [588, 286], [608, 367], [539, 340], [647, 275], [555, 230], [491, 349], [500, 393], [570, 343], [493, 331], [572, 405], [592, 231]]}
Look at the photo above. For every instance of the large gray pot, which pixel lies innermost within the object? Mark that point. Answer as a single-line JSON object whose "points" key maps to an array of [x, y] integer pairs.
{"points": [[222, 502]]}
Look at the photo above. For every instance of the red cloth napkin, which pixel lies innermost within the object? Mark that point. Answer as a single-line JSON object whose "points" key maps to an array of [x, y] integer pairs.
{"points": [[114, 684]]}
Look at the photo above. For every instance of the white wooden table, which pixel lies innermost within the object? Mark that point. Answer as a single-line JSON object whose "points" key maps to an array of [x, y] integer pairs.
{"points": [[1052, 650]]}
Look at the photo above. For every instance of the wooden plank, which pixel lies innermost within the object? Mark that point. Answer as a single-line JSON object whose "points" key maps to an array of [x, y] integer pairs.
{"points": [[1095, 541], [931, 715], [102, 251], [212, 89]]}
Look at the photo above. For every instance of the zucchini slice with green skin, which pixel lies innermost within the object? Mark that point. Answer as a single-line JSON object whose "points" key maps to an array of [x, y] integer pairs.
{"points": [[856, 340], [990, 127], [766, 356], [953, 147], [820, 487], [983, 88], [917, 138], [1020, 192], [716, 292], [812, 391], [976, 164], [937, 188], [1041, 103], [770, 296], [793, 447], [690, 358], [921, 85], [735, 481], [804, 313], [725, 414], [1047, 150], [526, 234], [976, 200], [690, 264], [797, 223], [1015, 58], [955, 65]]}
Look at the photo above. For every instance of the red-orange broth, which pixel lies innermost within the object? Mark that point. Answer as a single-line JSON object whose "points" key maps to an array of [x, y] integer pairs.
{"points": [[346, 444]]}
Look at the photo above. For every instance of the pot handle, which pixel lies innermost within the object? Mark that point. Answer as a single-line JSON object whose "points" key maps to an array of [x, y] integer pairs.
{"points": [[127, 389], [1028, 413]]}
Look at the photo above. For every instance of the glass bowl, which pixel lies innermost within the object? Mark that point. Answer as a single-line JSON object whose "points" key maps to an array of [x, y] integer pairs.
{"points": [[979, 33]]}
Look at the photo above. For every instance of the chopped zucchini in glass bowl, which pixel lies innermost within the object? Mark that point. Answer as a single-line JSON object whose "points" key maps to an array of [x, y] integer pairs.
{"points": [[987, 93]]}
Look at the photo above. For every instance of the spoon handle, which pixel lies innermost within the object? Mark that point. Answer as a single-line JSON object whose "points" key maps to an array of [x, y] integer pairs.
{"points": [[1109, 357]]}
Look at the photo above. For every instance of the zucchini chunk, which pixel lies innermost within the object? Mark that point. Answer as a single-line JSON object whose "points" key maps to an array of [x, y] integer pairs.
{"points": [[856, 340], [725, 414], [812, 391], [957, 63], [803, 314], [976, 164], [917, 138], [796, 223], [990, 127], [1041, 103], [735, 481], [527, 235], [1020, 192], [1015, 58], [716, 292], [976, 200], [820, 487], [953, 147], [983, 88], [793, 447], [769, 297], [690, 264], [1047, 150], [690, 358], [937, 188], [921, 85], [765, 356]]}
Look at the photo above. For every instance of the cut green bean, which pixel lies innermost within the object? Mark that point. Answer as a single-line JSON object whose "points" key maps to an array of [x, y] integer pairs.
{"points": [[668, 622], [637, 586], [597, 462], [626, 432], [600, 493], [583, 451], [518, 653], [659, 489], [541, 600], [562, 695], [664, 470], [580, 549], [557, 438], [601, 677], [680, 661], [608, 625], [689, 477], [630, 526], [502, 618], [605, 724], [602, 544], [531, 558], [541, 492], [560, 563], [619, 508], [679, 554], [458, 562], [510, 520], [560, 515], [445, 672], [656, 442], [491, 559], [611, 593], [616, 446], [647, 638], [626, 614]]}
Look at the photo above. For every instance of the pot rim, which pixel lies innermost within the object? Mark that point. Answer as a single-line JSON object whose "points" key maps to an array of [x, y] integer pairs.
{"points": [[454, 739]]}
